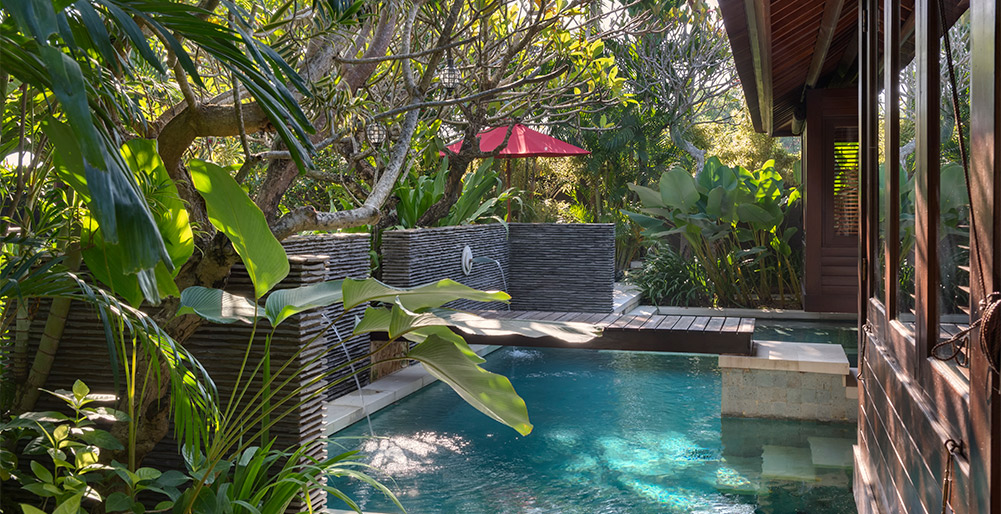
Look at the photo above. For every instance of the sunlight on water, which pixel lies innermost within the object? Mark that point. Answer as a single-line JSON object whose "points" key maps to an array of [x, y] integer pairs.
{"points": [[615, 433]]}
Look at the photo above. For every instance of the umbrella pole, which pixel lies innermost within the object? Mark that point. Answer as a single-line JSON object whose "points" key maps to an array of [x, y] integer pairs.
{"points": [[508, 217]]}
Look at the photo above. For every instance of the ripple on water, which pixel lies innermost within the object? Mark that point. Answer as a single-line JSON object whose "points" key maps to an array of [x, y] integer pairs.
{"points": [[616, 433]]}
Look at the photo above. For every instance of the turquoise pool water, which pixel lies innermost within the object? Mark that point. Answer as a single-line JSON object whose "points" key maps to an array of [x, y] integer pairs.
{"points": [[615, 432], [844, 333]]}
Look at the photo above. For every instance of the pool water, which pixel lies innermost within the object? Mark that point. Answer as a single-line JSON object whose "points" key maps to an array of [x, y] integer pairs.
{"points": [[844, 333], [615, 432]]}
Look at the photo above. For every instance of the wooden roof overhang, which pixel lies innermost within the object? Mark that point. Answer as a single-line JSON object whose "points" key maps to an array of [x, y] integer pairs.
{"points": [[782, 48]]}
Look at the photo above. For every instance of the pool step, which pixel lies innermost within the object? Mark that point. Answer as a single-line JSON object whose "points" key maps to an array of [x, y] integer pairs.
{"points": [[788, 463], [831, 452]]}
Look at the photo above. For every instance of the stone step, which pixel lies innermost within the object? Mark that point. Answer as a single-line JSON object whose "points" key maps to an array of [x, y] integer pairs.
{"points": [[787, 463], [831, 452]]}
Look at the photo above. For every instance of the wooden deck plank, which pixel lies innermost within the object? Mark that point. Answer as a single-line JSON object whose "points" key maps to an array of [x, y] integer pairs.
{"points": [[652, 323], [620, 323], [638, 321], [668, 323], [608, 320], [683, 323], [595, 317], [700, 323], [649, 332], [715, 324]]}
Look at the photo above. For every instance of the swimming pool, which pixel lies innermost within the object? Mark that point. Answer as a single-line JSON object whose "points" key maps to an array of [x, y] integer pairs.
{"points": [[615, 432], [844, 333]]}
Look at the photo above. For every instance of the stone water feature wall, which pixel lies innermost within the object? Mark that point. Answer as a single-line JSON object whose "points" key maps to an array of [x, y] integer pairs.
{"points": [[344, 255], [562, 267], [546, 266], [414, 257]]}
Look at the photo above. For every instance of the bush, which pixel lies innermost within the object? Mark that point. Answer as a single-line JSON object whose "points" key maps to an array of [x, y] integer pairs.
{"points": [[670, 279]]}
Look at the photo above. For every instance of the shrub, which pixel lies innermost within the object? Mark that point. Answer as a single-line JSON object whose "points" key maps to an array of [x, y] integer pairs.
{"points": [[670, 279]]}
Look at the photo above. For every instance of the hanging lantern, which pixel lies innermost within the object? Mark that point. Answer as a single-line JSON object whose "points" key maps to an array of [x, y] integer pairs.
{"points": [[375, 132], [450, 76]]}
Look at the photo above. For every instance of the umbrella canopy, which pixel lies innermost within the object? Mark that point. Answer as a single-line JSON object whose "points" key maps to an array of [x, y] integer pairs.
{"points": [[524, 142]]}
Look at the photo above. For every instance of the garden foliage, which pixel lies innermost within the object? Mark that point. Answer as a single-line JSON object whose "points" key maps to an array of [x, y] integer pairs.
{"points": [[733, 223]]}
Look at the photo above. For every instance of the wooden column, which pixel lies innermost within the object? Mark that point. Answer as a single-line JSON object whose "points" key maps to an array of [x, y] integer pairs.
{"points": [[985, 404]]}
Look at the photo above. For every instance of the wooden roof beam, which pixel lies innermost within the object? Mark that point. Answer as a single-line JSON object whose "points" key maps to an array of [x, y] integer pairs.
{"points": [[829, 21], [759, 32]]}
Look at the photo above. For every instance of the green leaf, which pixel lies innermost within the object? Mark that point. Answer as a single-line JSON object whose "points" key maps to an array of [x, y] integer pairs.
{"points": [[70, 506], [488, 392], [218, 305], [287, 302], [28, 509], [117, 502], [39, 470], [232, 212], [470, 323], [677, 189], [80, 390], [102, 439], [434, 294], [419, 335], [755, 214], [648, 197], [171, 218]]}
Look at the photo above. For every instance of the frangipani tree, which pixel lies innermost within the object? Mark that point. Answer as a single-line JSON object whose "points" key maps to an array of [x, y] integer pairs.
{"points": [[114, 100]]}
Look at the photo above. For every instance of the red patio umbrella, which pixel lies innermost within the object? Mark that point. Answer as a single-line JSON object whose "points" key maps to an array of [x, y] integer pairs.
{"points": [[524, 142]]}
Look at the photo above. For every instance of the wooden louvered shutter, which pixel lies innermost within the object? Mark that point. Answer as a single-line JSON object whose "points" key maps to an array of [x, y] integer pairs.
{"points": [[846, 181]]}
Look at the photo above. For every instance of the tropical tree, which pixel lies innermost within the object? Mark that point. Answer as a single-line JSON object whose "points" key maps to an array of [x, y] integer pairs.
{"points": [[685, 72], [107, 105]]}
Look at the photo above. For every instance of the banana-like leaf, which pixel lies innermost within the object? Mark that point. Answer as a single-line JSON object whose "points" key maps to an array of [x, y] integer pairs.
{"points": [[375, 319], [677, 189], [490, 393], [232, 212], [648, 197], [434, 294], [218, 305], [412, 327], [287, 302], [571, 332]]}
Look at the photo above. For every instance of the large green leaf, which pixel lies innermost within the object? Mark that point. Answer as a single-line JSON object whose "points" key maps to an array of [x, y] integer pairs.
{"points": [[218, 305], [490, 393], [170, 215], [648, 197], [677, 189], [469, 323], [411, 326], [232, 212], [287, 302], [109, 262], [434, 294]]}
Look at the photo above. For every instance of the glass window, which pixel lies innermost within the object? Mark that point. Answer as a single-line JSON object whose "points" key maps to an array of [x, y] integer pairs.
{"points": [[906, 91], [954, 208], [880, 285], [846, 181]]}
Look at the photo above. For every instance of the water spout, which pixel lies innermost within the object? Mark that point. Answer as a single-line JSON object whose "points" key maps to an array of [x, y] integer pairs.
{"points": [[357, 380]]}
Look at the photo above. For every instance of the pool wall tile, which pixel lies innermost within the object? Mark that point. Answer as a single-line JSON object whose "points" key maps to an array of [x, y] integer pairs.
{"points": [[805, 381]]}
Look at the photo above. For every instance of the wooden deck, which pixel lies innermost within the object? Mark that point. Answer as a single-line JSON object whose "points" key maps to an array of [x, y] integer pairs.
{"points": [[657, 333]]}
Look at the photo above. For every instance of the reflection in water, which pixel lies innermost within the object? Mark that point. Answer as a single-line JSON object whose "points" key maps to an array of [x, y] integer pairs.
{"points": [[404, 456], [616, 433]]}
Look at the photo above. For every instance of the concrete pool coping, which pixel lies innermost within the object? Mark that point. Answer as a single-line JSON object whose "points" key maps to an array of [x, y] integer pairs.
{"points": [[353, 407], [777, 314]]}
